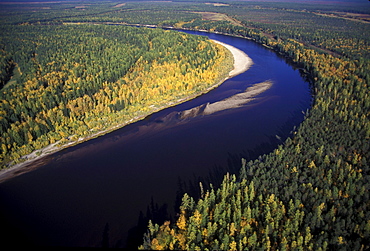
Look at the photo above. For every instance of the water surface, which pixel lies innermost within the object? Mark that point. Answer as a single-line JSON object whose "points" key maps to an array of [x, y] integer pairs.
{"points": [[102, 192]]}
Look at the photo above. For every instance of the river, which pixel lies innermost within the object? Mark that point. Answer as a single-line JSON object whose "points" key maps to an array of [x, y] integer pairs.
{"points": [[102, 192]]}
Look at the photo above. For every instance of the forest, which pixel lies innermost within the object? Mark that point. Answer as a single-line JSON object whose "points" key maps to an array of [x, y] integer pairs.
{"points": [[310, 193], [58, 87]]}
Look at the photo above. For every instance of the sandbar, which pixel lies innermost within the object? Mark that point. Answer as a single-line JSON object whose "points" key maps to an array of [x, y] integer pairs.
{"points": [[242, 62]]}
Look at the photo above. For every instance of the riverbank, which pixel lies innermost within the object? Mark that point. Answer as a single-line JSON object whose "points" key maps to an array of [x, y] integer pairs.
{"points": [[241, 60], [241, 64]]}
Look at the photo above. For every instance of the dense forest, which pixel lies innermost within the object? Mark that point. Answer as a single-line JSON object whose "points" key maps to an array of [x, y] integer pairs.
{"points": [[310, 193], [59, 87]]}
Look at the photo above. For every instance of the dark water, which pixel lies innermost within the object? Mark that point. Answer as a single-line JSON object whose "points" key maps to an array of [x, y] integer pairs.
{"points": [[102, 192]]}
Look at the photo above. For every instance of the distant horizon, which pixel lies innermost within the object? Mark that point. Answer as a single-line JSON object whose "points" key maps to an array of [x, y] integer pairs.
{"points": [[302, 1], [353, 3]]}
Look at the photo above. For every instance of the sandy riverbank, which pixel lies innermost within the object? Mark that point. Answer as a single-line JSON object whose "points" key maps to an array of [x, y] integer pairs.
{"points": [[241, 64], [241, 60]]}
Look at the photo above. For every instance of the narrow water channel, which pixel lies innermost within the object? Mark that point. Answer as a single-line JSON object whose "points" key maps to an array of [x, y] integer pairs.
{"points": [[102, 192]]}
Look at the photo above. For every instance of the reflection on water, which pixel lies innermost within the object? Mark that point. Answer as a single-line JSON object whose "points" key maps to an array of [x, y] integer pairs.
{"points": [[102, 192]]}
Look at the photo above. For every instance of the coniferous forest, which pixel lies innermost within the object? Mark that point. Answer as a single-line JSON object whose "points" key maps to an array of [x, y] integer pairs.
{"points": [[58, 86], [310, 193]]}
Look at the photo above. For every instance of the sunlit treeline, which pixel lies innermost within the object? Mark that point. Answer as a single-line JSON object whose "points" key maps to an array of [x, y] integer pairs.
{"points": [[76, 80], [310, 192]]}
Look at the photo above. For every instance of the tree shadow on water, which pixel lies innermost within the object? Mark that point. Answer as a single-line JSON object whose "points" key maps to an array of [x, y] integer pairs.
{"points": [[198, 185], [105, 241], [157, 214], [194, 187]]}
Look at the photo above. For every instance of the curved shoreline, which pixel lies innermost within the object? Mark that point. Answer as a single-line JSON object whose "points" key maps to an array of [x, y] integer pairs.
{"points": [[242, 62]]}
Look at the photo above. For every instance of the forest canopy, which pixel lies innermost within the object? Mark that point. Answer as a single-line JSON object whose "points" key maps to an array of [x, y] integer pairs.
{"points": [[310, 193], [64, 82]]}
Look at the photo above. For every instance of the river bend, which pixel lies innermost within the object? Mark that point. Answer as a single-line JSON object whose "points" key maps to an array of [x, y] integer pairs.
{"points": [[102, 192]]}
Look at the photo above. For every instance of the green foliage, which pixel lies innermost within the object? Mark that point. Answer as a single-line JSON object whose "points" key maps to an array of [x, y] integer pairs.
{"points": [[77, 80], [313, 27], [6, 67], [310, 193]]}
